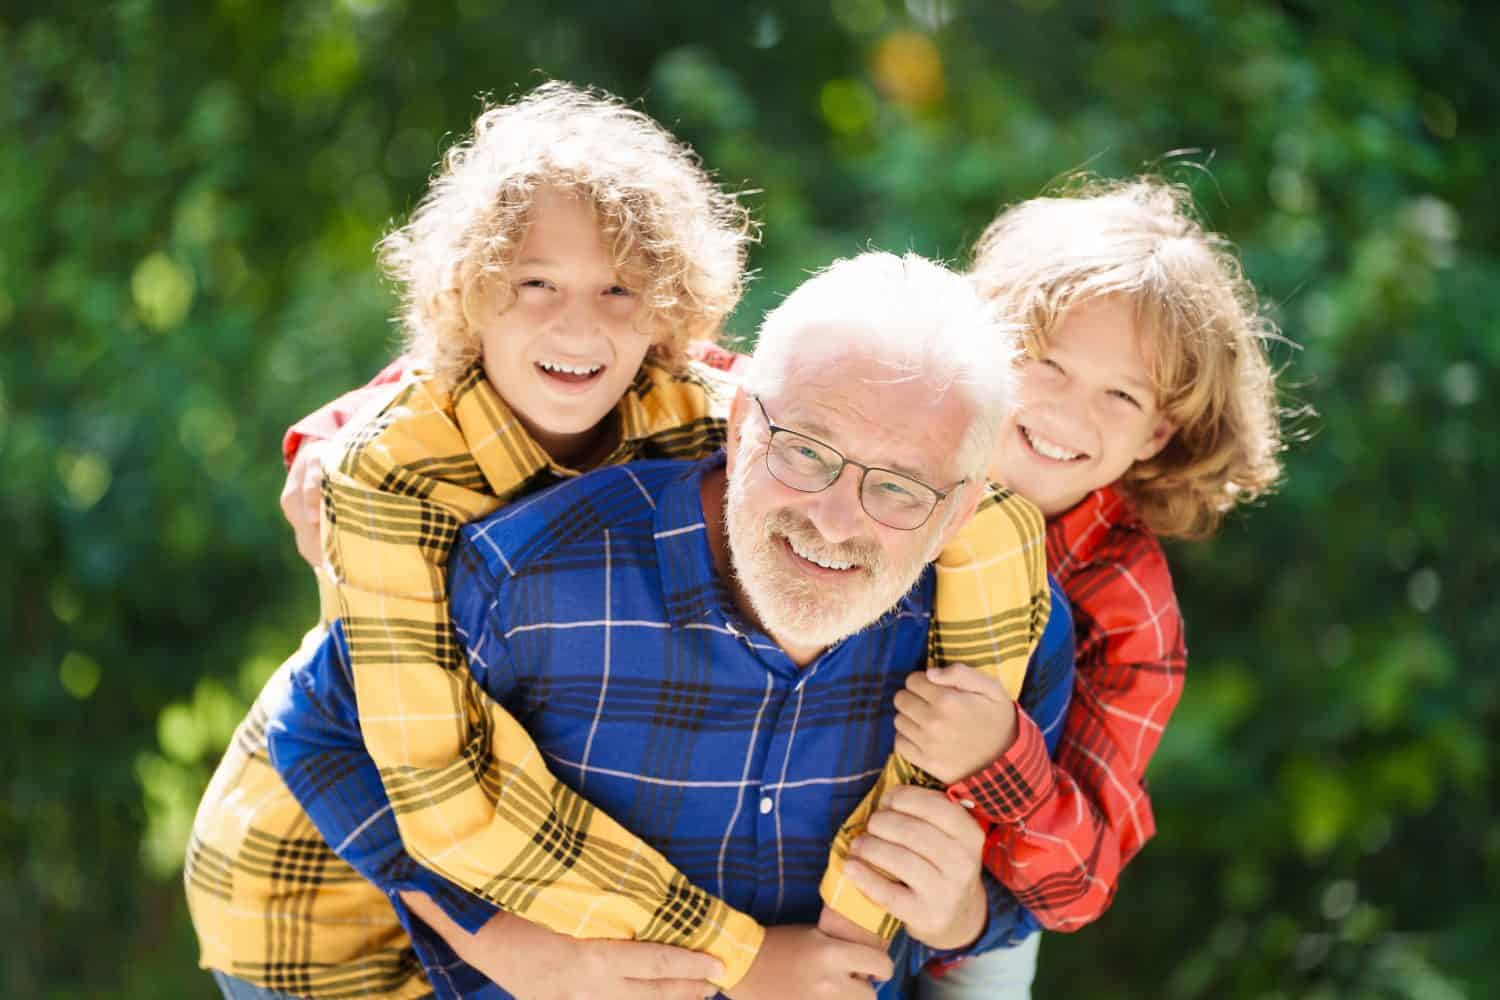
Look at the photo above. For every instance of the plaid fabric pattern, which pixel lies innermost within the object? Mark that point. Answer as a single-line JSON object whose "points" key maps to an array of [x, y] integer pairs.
{"points": [[593, 614], [408, 479], [1062, 831]]}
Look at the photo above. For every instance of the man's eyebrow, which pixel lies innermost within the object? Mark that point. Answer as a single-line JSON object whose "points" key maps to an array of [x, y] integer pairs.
{"points": [[820, 432]]}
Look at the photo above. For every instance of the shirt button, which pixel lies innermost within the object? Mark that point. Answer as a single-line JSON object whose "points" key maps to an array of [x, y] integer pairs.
{"points": [[966, 803], [766, 805]]}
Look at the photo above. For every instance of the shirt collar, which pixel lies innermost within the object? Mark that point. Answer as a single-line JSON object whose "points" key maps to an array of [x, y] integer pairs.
{"points": [[691, 585], [507, 454]]}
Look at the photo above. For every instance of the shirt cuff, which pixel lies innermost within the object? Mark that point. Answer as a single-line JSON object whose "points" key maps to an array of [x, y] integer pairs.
{"points": [[1012, 786], [469, 911]]}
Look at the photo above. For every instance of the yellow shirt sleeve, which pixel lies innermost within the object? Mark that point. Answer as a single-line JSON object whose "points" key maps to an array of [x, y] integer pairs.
{"points": [[991, 607], [468, 786]]}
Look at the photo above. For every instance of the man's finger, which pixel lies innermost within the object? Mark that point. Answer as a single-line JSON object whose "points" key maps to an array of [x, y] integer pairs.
{"points": [[916, 864], [929, 805], [666, 989], [964, 678], [893, 897], [644, 960]]}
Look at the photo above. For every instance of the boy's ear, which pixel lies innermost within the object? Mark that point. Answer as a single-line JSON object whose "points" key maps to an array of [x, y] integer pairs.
{"points": [[1157, 441], [477, 300], [737, 410]]}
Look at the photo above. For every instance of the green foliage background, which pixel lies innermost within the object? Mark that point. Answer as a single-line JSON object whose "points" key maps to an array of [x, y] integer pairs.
{"points": [[189, 193]]}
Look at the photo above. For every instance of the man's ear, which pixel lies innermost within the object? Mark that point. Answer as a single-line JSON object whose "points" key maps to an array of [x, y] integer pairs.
{"points": [[737, 410], [967, 501], [1157, 441]]}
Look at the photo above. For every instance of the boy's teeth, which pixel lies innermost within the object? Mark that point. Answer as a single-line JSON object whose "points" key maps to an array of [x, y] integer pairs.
{"points": [[1047, 449], [818, 560], [555, 366]]}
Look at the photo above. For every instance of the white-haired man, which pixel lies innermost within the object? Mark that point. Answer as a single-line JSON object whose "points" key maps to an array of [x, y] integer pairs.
{"points": [[709, 652]]}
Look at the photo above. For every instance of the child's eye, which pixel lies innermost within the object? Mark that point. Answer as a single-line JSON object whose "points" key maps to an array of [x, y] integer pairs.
{"points": [[534, 283], [1127, 397], [1052, 364], [620, 290]]}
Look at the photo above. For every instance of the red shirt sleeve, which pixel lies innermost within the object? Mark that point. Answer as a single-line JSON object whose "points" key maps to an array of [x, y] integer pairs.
{"points": [[324, 422], [1058, 833]]}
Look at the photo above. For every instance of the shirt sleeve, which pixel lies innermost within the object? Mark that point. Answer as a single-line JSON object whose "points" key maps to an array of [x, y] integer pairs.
{"points": [[1042, 705], [989, 612], [324, 422], [471, 795], [1061, 832]]}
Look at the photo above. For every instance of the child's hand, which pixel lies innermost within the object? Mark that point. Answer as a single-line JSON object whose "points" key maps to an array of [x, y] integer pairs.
{"points": [[302, 500], [952, 721]]}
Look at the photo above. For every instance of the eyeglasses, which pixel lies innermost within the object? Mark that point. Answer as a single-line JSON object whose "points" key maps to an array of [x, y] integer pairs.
{"points": [[810, 466]]}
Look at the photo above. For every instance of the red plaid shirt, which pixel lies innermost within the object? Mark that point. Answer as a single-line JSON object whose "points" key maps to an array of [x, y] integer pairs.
{"points": [[1059, 832]]}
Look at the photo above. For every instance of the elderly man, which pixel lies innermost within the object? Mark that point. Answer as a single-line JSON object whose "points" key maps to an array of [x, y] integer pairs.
{"points": [[709, 652]]}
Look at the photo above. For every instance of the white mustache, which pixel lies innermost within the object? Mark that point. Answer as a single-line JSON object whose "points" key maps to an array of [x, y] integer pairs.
{"points": [[864, 554]]}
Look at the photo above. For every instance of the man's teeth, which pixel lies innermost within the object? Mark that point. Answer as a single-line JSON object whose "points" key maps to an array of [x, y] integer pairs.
{"points": [[1048, 449], [818, 560], [557, 366]]}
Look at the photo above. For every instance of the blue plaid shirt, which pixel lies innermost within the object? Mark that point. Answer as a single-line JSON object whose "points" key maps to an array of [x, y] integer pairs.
{"points": [[594, 614]]}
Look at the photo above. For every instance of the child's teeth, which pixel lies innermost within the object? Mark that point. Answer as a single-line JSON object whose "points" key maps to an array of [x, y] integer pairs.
{"points": [[1047, 449], [553, 366]]}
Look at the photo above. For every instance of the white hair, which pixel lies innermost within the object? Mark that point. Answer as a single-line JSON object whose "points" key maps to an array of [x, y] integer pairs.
{"points": [[907, 314]]}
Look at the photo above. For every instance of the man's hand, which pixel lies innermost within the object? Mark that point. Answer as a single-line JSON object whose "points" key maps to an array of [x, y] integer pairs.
{"points": [[952, 721], [919, 858], [802, 961], [534, 963], [302, 500]]}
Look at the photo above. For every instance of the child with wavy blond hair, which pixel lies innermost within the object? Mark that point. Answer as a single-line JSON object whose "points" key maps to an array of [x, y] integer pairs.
{"points": [[1147, 410], [552, 280]]}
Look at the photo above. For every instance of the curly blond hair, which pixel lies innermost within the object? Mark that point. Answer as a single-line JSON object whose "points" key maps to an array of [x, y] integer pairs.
{"points": [[1206, 333], [678, 239]]}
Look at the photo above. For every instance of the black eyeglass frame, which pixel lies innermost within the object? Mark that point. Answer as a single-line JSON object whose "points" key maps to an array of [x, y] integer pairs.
{"points": [[864, 470]]}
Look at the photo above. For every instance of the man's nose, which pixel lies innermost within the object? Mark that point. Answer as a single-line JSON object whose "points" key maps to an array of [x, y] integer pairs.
{"points": [[836, 512]]}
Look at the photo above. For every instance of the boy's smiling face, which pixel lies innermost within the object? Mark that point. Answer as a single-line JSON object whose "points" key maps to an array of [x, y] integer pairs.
{"points": [[568, 347], [1088, 409]]}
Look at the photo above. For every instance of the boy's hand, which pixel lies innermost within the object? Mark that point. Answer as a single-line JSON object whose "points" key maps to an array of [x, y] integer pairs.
{"points": [[952, 721], [302, 500], [919, 858], [534, 963], [802, 961]]}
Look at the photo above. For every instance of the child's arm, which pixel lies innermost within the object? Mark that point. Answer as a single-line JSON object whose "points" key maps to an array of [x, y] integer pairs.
{"points": [[1062, 831], [302, 449], [470, 792], [990, 610], [1070, 825]]}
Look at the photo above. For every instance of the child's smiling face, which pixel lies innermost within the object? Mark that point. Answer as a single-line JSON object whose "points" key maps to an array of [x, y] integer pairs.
{"points": [[568, 347], [1088, 409]]}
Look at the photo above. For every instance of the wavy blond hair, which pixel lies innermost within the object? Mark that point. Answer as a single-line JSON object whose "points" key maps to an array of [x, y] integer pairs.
{"points": [[678, 239], [1206, 333]]}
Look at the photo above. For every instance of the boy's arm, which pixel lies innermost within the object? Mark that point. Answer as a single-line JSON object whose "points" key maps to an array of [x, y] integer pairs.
{"points": [[989, 612], [1061, 832], [471, 794], [324, 422]]}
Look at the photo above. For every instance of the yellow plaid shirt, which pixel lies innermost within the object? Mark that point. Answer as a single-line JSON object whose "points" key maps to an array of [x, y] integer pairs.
{"points": [[274, 905]]}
